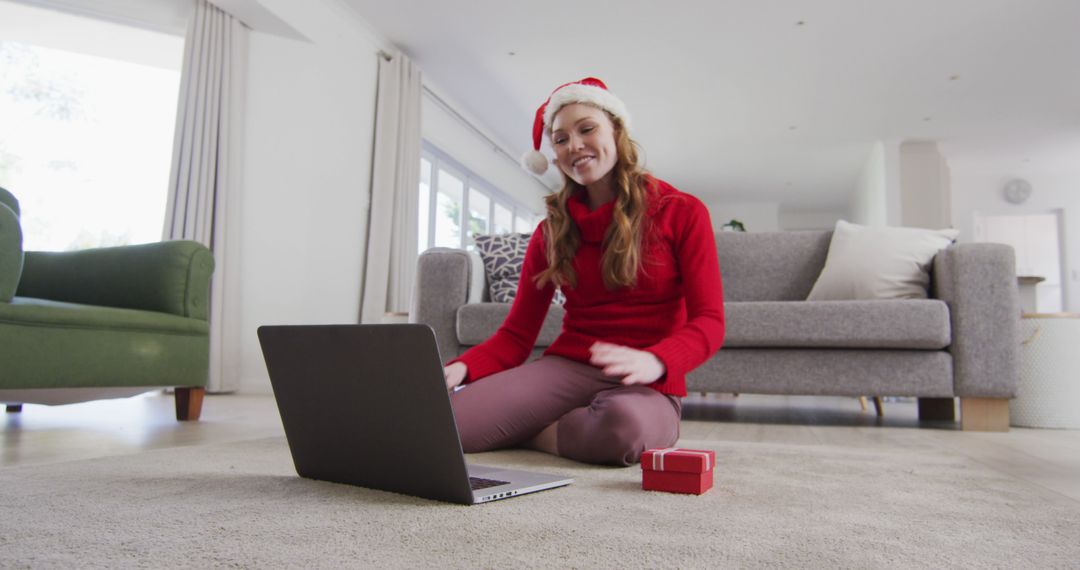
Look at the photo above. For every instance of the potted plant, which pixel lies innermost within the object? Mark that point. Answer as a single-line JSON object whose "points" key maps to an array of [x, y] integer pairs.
{"points": [[733, 226]]}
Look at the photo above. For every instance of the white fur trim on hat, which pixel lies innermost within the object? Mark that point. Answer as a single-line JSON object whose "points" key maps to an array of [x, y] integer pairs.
{"points": [[578, 93]]}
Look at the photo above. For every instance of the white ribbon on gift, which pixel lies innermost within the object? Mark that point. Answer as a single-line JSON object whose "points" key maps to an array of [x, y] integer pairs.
{"points": [[658, 457]]}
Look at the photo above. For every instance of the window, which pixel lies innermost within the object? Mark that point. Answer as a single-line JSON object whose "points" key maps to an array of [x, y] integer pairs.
{"points": [[465, 205], [86, 143], [449, 198], [479, 213], [504, 219]]}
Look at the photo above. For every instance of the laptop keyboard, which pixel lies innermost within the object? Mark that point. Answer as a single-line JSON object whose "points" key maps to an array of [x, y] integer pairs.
{"points": [[478, 483]]}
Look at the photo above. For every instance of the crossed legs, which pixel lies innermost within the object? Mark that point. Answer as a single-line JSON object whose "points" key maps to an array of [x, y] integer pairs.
{"points": [[566, 407]]}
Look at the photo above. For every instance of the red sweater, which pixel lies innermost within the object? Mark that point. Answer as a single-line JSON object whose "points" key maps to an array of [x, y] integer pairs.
{"points": [[675, 311]]}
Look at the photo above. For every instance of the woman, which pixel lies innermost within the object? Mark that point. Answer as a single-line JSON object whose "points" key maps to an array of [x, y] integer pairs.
{"points": [[636, 260]]}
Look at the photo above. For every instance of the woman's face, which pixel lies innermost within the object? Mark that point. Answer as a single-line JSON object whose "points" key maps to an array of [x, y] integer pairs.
{"points": [[584, 141]]}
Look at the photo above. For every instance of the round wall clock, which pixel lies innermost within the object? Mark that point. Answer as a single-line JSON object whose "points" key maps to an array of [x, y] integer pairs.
{"points": [[1017, 190]]}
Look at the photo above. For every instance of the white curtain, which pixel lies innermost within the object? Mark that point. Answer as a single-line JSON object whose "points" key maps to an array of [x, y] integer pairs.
{"points": [[392, 226], [205, 176]]}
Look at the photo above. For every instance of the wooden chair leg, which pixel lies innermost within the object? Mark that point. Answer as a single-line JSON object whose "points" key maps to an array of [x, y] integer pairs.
{"points": [[862, 402], [14, 408], [189, 403], [879, 407], [984, 414]]}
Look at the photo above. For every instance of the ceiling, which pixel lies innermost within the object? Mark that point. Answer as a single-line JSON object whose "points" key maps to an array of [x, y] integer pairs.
{"points": [[772, 100]]}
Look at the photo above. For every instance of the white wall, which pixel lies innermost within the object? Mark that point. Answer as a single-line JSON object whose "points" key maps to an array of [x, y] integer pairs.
{"points": [[978, 188], [924, 186], [796, 220], [307, 173], [453, 137], [756, 216], [868, 204]]}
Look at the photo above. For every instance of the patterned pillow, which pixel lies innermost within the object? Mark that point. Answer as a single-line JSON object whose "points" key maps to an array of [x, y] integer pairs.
{"points": [[503, 256]]}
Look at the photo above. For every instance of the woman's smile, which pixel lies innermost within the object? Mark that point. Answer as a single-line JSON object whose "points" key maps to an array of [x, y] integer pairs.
{"points": [[583, 161]]}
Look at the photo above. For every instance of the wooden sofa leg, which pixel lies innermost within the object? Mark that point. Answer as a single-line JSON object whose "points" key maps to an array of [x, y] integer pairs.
{"points": [[984, 414], [937, 409], [189, 403], [14, 408], [879, 407]]}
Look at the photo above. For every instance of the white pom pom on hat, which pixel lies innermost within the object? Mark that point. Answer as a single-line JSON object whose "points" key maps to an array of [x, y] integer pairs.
{"points": [[534, 161], [589, 90]]}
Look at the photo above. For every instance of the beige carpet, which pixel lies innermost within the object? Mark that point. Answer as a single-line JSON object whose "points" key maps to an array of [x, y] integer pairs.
{"points": [[241, 505]]}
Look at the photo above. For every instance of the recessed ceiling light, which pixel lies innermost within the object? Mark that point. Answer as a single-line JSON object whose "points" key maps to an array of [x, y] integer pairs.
{"points": [[792, 127], [800, 23], [954, 77], [511, 53], [926, 119]]}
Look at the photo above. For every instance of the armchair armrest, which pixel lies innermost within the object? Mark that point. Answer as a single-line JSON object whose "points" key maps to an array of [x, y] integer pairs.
{"points": [[446, 279], [11, 252], [978, 283], [169, 277]]}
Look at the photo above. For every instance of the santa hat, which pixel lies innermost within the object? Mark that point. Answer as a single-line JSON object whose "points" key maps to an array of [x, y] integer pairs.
{"points": [[589, 90]]}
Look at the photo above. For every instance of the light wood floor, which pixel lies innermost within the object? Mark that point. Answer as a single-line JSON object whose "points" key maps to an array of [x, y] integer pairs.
{"points": [[1048, 458]]}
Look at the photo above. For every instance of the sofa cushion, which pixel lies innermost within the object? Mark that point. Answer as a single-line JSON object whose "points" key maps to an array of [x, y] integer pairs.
{"points": [[478, 321], [831, 372], [867, 262], [901, 324], [49, 344], [57, 315], [778, 266], [897, 324], [503, 256], [167, 276]]}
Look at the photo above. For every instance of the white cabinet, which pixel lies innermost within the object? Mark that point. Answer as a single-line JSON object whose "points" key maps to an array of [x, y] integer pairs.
{"points": [[1036, 239]]}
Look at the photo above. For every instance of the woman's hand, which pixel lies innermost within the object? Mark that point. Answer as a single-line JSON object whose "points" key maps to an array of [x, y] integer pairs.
{"points": [[635, 366], [455, 374]]}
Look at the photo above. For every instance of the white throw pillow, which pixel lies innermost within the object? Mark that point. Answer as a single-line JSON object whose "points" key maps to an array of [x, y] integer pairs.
{"points": [[867, 262]]}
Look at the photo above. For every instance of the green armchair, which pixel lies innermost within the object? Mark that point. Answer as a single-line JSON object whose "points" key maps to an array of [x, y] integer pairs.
{"points": [[103, 322]]}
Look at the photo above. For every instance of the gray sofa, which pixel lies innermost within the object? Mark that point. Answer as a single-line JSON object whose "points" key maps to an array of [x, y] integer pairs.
{"points": [[963, 342]]}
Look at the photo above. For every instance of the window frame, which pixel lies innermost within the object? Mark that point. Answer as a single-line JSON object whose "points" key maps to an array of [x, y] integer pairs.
{"points": [[439, 161]]}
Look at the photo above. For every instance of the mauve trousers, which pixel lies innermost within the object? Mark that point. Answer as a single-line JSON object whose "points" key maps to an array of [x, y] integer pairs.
{"points": [[600, 420]]}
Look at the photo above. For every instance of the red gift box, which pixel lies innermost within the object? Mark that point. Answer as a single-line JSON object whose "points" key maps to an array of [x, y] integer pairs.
{"points": [[677, 470]]}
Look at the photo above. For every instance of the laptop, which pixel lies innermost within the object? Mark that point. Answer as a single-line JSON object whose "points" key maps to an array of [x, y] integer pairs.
{"points": [[367, 405]]}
